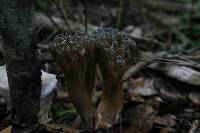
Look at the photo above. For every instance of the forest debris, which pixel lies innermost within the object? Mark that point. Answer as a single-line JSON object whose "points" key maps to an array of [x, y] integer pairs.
{"points": [[137, 83], [194, 96], [3, 78], [143, 87], [167, 90], [1, 43], [61, 10], [195, 127], [44, 21], [61, 94], [134, 69], [166, 6], [149, 24], [148, 42], [167, 130], [148, 59], [167, 123], [181, 73], [134, 31], [4, 84], [47, 128], [134, 97], [139, 118], [166, 120], [159, 120], [7, 129], [61, 128], [48, 85], [137, 32], [44, 114]]}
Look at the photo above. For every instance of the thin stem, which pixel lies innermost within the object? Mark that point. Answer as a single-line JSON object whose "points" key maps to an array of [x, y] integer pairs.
{"points": [[120, 14]]}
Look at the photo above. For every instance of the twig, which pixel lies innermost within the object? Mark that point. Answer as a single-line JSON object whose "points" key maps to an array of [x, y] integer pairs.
{"points": [[169, 44], [121, 130], [50, 18], [149, 41], [1, 47], [134, 69], [120, 13], [84, 3], [50, 36], [191, 14], [168, 61], [62, 12], [143, 62]]}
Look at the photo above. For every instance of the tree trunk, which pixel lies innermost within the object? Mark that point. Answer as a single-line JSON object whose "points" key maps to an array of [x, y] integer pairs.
{"points": [[23, 69]]}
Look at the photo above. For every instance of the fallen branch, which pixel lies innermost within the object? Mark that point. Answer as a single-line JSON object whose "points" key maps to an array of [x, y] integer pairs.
{"points": [[194, 127], [134, 69], [49, 22], [150, 42]]}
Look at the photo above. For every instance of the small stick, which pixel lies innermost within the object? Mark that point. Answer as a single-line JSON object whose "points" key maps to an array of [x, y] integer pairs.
{"points": [[62, 12], [84, 3], [120, 13], [50, 18]]}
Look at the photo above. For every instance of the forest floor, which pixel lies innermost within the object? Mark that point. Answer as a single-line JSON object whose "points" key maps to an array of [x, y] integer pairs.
{"points": [[162, 85]]}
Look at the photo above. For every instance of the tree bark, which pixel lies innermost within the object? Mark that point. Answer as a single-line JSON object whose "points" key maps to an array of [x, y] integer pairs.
{"points": [[23, 69]]}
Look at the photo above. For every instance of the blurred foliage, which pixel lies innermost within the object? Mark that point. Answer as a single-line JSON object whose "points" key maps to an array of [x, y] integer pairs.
{"points": [[189, 28], [44, 4], [198, 7], [63, 112]]}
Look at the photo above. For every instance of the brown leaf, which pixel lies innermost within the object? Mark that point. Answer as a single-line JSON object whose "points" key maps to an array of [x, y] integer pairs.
{"points": [[143, 87], [167, 130], [140, 118], [167, 120], [135, 97], [194, 97], [7, 129], [59, 128], [137, 83]]}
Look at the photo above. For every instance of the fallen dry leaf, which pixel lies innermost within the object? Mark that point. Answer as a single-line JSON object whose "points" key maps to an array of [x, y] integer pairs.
{"points": [[143, 87], [60, 128], [167, 130], [167, 120], [7, 129], [140, 118], [194, 97]]}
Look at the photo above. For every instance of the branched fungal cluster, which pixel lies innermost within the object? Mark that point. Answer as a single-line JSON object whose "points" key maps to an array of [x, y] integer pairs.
{"points": [[77, 54]]}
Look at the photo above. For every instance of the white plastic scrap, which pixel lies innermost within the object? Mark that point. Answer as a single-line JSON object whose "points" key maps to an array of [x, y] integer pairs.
{"points": [[49, 82]]}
